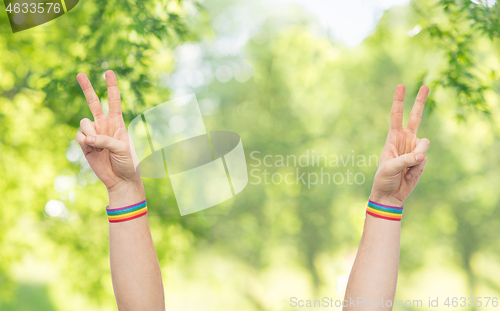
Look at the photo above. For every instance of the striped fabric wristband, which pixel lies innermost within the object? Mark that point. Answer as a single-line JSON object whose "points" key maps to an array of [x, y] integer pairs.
{"points": [[128, 212], [384, 211]]}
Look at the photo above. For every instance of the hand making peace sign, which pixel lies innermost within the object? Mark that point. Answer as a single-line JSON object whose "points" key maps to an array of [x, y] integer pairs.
{"points": [[403, 158], [105, 142]]}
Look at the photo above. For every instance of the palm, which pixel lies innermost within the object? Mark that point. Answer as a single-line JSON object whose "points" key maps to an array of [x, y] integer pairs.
{"points": [[401, 141], [109, 166]]}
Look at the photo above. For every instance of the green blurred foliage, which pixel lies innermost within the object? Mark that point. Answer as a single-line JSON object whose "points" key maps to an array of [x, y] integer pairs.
{"points": [[290, 90], [460, 34]]}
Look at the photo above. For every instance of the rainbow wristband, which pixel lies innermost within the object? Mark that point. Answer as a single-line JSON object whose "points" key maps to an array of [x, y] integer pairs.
{"points": [[128, 212], [384, 211]]}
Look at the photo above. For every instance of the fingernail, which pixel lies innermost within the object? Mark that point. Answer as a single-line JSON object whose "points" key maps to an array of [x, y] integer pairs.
{"points": [[89, 148], [419, 157], [91, 139], [409, 176]]}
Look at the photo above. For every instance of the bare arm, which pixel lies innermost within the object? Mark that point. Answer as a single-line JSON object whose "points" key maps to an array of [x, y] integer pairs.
{"points": [[135, 270], [373, 279]]}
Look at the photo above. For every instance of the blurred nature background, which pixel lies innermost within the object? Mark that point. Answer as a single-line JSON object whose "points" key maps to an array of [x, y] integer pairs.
{"points": [[288, 77]]}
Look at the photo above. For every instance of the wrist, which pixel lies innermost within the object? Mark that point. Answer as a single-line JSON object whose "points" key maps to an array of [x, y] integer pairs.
{"points": [[388, 208], [126, 193], [386, 200]]}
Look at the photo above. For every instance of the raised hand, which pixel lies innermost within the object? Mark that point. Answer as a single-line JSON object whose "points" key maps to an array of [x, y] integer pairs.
{"points": [[135, 270], [105, 142], [403, 159]]}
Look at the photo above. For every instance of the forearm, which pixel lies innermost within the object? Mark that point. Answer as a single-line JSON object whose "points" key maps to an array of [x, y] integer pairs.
{"points": [[374, 274], [375, 270], [108, 148], [135, 270]]}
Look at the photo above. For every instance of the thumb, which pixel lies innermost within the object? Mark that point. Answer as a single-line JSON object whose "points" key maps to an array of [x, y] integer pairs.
{"points": [[398, 164], [105, 142]]}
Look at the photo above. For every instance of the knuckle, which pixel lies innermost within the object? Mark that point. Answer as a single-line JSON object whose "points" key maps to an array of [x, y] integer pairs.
{"points": [[417, 115], [397, 114], [114, 96], [93, 99]]}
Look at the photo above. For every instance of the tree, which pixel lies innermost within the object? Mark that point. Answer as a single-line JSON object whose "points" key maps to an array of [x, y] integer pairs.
{"points": [[464, 31]]}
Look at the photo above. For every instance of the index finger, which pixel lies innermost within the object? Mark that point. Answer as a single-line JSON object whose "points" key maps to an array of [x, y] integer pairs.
{"points": [[113, 93], [417, 110], [90, 95], [397, 107]]}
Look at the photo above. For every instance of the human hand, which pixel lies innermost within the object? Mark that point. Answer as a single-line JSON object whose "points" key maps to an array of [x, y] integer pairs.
{"points": [[403, 158], [105, 142]]}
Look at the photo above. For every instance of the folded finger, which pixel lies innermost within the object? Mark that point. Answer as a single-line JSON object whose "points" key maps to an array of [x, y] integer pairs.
{"points": [[416, 170], [396, 165], [88, 129], [80, 139], [105, 142], [90, 95], [422, 145]]}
